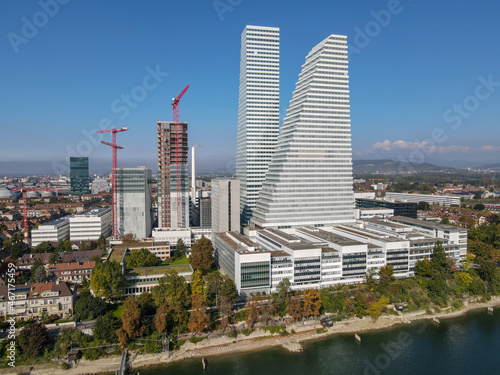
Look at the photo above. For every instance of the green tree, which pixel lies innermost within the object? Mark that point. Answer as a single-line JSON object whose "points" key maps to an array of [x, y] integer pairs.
{"points": [[439, 258], [153, 344], [101, 242], [54, 258], [33, 339], [39, 275], [16, 251], [88, 307], [228, 290], [479, 207], [478, 195], [96, 258], [423, 206], [489, 272], [105, 328], [386, 274], [63, 246], [107, 280], [147, 304], [493, 219], [201, 256], [424, 268], [180, 249], [141, 258], [43, 247], [445, 220], [172, 290]]}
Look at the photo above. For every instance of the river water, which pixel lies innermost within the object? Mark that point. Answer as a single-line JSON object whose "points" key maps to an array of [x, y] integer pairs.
{"points": [[464, 345]]}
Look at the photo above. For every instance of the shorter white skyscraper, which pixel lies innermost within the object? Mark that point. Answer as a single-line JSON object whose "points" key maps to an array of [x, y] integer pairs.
{"points": [[134, 201], [225, 205]]}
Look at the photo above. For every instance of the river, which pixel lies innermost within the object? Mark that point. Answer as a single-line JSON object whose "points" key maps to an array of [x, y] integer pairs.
{"points": [[464, 345]]}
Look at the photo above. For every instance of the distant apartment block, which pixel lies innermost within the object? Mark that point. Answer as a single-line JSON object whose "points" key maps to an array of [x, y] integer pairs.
{"points": [[100, 185], [89, 225], [225, 205], [52, 231], [134, 201], [79, 174], [441, 200], [408, 209]]}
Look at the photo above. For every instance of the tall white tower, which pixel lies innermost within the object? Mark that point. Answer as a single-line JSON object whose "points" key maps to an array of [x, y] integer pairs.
{"points": [[258, 111], [309, 181]]}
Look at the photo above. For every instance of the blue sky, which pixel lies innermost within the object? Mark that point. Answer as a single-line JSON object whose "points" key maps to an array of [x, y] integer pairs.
{"points": [[424, 76]]}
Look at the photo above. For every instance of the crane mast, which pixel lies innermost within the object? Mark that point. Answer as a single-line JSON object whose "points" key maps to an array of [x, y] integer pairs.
{"points": [[113, 178], [177, 143]]}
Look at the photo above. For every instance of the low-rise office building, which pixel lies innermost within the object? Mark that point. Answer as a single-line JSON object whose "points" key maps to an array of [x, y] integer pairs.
{"points": [[441, 200], [144, 279], [89, 225], [53, 231], [312, 257], [408, 209]]}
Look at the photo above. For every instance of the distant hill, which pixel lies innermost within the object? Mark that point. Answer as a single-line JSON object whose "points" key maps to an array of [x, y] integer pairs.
{"points": [[397, 167]]}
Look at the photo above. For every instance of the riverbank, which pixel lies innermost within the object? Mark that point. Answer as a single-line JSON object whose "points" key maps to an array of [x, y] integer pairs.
{"points": [[257, 340]]}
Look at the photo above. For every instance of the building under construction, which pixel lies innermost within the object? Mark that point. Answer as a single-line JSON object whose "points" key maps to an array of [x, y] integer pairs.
{"points": [[173, 175]]}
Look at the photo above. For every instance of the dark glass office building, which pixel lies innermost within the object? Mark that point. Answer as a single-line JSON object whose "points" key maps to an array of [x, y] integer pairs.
{"points": [[407, 209], [79, 174]]}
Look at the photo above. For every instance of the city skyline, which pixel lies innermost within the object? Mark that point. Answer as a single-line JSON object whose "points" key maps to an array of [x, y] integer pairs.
{"points": [[419, 88]]}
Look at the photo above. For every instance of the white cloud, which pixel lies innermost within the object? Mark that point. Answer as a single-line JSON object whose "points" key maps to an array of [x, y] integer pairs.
{"points": [[387, 147]]}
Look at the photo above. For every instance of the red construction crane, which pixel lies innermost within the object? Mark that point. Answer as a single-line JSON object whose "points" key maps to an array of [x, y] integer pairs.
{"points": [[25, 206], [177, 132], [115, 165]]}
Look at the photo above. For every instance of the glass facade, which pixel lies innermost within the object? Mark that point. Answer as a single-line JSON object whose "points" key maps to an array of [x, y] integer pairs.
{"points": [[79, 175], [254, 275], [307, 270]]}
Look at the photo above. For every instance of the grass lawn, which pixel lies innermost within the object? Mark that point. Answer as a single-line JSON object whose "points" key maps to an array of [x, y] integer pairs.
{"points": [[177, 262], [118, 310]]}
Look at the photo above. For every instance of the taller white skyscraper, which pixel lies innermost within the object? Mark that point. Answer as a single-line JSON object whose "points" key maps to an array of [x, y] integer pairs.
{"points": [[309, 181], [258, 111]]}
